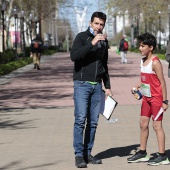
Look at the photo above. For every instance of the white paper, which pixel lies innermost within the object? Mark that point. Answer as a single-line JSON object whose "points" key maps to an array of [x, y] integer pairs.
{"points": [[107, 106], [159, 113]]}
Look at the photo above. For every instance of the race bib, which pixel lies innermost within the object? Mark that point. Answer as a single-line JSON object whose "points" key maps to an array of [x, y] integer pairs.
{"points": [[145, 90]]}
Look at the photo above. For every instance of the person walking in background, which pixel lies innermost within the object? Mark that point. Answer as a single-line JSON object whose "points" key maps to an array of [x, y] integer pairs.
{"points": [[36, 50], [123, 48], [90, 56], [154, 101]]}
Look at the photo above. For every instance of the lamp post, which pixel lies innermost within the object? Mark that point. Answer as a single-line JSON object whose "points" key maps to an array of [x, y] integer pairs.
{"points": [[23, 35], [169, 20], [3, 8], [15, 13], [159, 46], [132, 33], [30, 19], [35, 21]]}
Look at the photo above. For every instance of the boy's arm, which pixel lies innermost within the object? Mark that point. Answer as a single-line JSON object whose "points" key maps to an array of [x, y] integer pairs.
{"points": [[137, 86], [157, 67]]}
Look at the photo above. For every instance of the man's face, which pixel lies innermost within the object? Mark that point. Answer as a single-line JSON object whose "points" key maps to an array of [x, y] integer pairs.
{"points": [[97, 25]]}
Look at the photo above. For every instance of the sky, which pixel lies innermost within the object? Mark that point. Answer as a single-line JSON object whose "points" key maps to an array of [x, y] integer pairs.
{"points": [[69, 12]]}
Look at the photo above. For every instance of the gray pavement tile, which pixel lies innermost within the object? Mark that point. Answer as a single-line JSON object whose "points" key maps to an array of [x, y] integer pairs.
{"points": [[41, 139]]}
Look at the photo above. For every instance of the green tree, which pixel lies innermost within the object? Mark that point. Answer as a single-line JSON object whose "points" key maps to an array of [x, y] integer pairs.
{"points": [[39, 8], [144, 14]]}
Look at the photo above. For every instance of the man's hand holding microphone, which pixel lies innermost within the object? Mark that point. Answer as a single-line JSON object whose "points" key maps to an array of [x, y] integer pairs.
{"points": [[98, 38]]}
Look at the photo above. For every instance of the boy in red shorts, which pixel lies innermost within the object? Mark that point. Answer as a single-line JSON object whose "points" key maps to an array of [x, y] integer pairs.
{"points": [[154, 101]]}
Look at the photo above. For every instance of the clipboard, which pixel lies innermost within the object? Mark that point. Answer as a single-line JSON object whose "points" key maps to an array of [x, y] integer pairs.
{"points": [[107, 106]]}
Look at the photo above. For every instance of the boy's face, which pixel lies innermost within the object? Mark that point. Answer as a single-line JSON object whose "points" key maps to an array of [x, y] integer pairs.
{"points": [[97, 25], [145, 50]]}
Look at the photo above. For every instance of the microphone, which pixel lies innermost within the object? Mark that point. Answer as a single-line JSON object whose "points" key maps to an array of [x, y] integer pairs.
{"points": [[101, 41], [99, 44]]}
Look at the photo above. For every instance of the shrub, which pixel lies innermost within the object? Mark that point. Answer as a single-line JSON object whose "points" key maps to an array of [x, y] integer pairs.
{"points": [[9, 67], [27, 51], [9, 62], [134, 49], [52, 47], [7, 56], [49, 52], [161, 56]]}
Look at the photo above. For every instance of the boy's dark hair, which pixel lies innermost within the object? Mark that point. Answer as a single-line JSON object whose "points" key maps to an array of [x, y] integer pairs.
{"points": [[100, 15], [147, 39]]}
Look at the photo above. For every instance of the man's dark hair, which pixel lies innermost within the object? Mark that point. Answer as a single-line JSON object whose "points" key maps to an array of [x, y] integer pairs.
{"points": [[147, 39], [100, 15]]}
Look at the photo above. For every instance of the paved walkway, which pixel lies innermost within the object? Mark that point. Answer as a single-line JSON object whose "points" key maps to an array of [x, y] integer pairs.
{"points": [[37, 115]]}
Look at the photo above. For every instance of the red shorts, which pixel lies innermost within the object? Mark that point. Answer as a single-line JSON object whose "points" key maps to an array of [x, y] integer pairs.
{"points": [[148, 109]]}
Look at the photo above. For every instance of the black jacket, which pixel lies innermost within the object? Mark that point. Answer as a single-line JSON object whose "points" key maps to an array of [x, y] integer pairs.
{"points": [[90, 61], [40, 46]]}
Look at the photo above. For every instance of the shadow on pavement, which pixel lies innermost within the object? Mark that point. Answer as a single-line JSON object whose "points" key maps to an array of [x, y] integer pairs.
{"points": [[16, 163], [13, 125], [120, 151], [7, 122]]}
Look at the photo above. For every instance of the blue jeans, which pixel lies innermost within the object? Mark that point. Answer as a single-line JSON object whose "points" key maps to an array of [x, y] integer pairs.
{"points": [[87, 101]]}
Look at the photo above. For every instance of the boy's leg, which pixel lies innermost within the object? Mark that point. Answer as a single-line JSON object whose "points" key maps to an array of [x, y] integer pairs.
{"points": [[160, 157], [141, 155], [157, 125], [144, 131], [144, 123]]}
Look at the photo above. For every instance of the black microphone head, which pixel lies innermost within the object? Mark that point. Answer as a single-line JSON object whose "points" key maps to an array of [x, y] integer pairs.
{"points": [[99, 44]]}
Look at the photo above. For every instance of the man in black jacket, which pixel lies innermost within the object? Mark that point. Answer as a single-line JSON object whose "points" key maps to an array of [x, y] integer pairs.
{"points": [[123, 48], [36, 49], [90, 55]]}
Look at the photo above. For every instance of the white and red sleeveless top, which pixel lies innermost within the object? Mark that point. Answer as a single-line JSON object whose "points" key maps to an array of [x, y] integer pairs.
{"points": [[150, 84]]}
